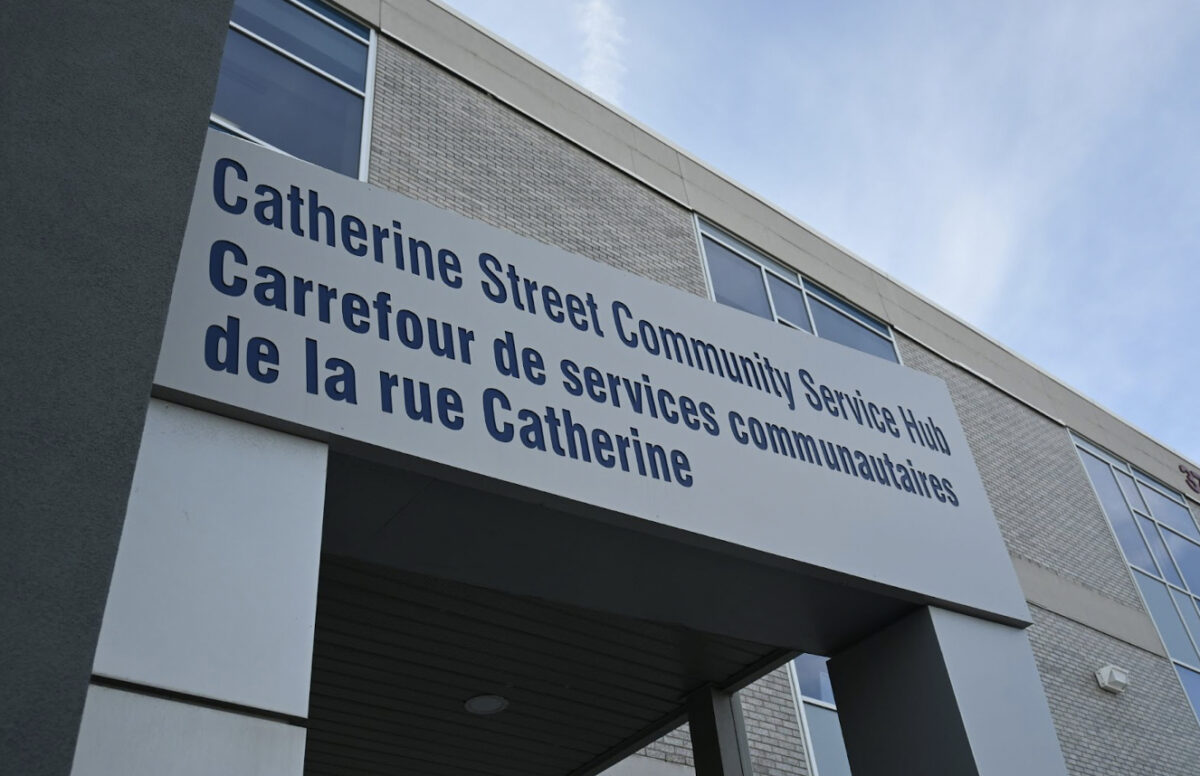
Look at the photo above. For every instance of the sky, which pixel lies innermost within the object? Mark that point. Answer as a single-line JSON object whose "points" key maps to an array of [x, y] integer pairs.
{"points": [[1032, 167]]}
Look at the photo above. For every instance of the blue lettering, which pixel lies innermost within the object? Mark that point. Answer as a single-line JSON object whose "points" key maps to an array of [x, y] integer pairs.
{"points": [[491, 398], [494, 290], [618, 308], [736, 420], [220, 172], [810, 390], [216, 267], [570, 372], [259, 351]]}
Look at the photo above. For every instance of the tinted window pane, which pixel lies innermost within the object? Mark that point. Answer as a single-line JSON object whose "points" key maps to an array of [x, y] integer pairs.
{"points": [[829, 750], [870, 321], [1118, 513], [1187, 555], [1188, 610], [345, 22], [1167, 511], [711, 230], [1160, 552], [288, 106], [832, 325], [736, 281], [1131, 491], [1191, 683], [789, 302], [813, 677], [309, 38], [1179, 646]]}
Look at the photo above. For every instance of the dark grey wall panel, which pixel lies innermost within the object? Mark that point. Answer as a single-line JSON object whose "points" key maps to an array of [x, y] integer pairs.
{"points": [[104, 110]]}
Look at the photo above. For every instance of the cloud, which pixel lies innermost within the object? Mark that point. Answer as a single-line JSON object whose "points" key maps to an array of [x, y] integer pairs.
{"points": [[603, 66]]}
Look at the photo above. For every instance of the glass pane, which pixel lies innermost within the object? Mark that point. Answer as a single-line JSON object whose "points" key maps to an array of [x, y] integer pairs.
{"points": [[789, 302], [1179, 646], [288, 106], [1118, 513], [832, 325], [1187, 555], [345, 22], [1188, 610], [736, 281], [307, 37], [1191, 683], [711, 230], [1160, 552], [829, 750], [870, 321], [1130, 490], [1167, 511], [813, 677]]}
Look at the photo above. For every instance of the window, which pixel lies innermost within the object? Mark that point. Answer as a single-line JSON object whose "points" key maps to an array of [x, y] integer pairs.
{"points": [[744, 278], [1161, 542], [819, 718], [296, 76]]}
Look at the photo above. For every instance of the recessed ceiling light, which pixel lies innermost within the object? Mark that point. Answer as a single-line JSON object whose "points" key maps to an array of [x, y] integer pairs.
{"points": [[486, 704]]}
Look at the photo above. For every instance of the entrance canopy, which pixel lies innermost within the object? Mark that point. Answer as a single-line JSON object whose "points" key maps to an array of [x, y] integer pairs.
{"points": [[433, 591]]}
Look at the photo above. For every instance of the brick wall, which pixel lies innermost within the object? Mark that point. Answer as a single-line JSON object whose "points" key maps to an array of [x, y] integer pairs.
{"points": [[1044, 503], [438, 139], [1149, 729], [1049, 515], [776, 746], [674, 747]]}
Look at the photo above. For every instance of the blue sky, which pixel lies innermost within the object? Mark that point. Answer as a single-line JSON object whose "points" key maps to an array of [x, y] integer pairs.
{"points": [[1032, 167]]}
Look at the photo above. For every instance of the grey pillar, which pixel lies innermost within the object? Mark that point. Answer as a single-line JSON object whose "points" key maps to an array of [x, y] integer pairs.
{"points": [[103, 110], [718, 734], [943, 693]]}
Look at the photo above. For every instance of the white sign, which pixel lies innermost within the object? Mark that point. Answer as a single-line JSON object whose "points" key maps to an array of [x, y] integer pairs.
{"points": [[356, 312]]}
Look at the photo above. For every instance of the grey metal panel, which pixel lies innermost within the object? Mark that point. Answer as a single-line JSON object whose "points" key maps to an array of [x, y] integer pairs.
{"points": [[214, 589], [138, 735], [941, 692], [646, 651], [448, 529], [104, 110], [396, 655]]}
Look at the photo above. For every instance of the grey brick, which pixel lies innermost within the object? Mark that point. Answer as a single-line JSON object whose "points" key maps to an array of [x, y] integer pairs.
{"points": [[436, 138], [1044, 503], [1148, 729]]}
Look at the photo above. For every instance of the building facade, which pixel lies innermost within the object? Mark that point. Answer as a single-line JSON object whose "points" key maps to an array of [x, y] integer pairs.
{"points": [[247, 591]]}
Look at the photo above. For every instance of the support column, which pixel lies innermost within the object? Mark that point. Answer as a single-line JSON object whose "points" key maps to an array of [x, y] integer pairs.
{"points": [[104, 112], [944, 693], [205, 652], [718, 734]]}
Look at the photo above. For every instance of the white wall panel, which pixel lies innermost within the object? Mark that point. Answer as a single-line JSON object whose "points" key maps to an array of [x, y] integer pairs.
{"points": [[137, 735], [214, 588]]}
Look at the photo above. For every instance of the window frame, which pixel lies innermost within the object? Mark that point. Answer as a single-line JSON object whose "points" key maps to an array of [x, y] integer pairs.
{"points": [[799, 699], [809, 290], [1144, 480], [367, 93]]}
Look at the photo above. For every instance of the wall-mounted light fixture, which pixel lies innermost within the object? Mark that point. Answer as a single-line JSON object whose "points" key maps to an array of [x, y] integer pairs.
{"points": [[1112, 679]]}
